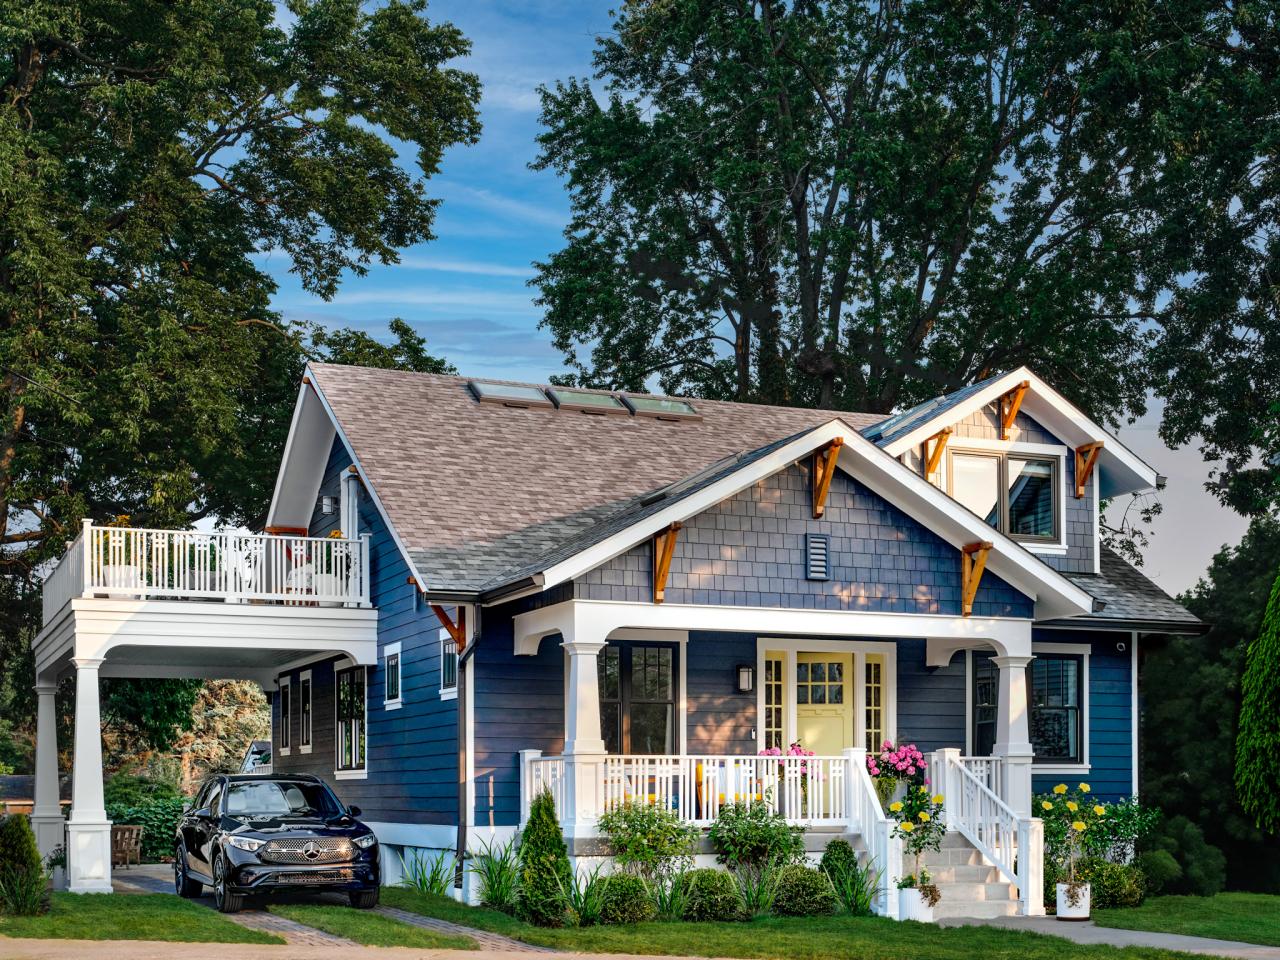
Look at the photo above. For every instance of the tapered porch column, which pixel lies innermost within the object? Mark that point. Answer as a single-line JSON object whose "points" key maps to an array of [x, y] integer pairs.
{"points": [[89, 830], [46, 816], [583, 746], [1013, 734]]}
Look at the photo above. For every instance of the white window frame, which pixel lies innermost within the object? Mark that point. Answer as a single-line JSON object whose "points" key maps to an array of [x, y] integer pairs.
{"points": [[283, 684], [306, 708], [446, 641], [389, 651], [361, 773]]}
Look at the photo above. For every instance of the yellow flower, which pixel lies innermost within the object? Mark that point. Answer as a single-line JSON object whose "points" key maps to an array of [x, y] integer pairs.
{"points": [[1099, 809], [1072, 806], [1078, 826], [937, 798], [1060, 789], [907, 826], [924, 817], [1046, 805], [1083, 788], [896, 806], [924, 789]]}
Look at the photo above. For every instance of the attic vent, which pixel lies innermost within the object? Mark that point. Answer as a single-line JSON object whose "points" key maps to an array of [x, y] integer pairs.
{"points": [[817, 556], [508, 394]]}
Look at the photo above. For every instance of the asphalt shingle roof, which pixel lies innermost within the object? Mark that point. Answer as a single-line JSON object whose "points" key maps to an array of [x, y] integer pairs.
{"points": [[900, 424], [1129, 595]]}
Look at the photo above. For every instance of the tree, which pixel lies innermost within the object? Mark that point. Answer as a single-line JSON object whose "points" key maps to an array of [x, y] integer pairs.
{"points": [[1258, 739]]}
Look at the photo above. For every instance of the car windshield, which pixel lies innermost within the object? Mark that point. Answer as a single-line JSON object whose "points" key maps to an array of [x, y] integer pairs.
{"points": [[281, 798]]}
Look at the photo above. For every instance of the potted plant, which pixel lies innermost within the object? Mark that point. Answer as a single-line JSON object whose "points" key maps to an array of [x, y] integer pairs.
{"points": [[118, 568], [919, 825], [894, 770], [806, 772], [1068, 818]]}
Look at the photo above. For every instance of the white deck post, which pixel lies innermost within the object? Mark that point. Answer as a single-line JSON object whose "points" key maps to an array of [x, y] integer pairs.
{"points": [[46, 815], [89, 830], [583, 746], [1013, 734], [1031, 866], [527, 757]]}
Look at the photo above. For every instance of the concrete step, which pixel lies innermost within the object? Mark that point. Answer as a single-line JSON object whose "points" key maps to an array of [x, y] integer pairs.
{"points": [[966, 873], [981, 909], [952, 857], [974, 891]]}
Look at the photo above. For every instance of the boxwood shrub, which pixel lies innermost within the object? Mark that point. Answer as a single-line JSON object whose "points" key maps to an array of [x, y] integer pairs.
{"points": [[626, 899], [544, 866], [158, 817], [803, 892], [712, 895]]}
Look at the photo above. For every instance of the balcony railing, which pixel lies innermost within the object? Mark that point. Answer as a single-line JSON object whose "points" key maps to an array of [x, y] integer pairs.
{"points": [[137, 563]]}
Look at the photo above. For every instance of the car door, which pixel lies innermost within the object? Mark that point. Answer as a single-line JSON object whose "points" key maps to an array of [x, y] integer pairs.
{"points": [[204, 829], [188, 827]]}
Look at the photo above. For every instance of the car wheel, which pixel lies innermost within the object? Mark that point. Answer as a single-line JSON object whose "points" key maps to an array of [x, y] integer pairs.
{"points": [[364, 899], [183, 885], [224, 899]]}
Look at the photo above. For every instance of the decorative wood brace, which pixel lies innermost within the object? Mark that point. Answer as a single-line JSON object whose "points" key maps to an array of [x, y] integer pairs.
{"points": [[664, 548], [933, 455], [824, 468], [1086, 459], [458, 631], [1009, 406], [973, 560]]}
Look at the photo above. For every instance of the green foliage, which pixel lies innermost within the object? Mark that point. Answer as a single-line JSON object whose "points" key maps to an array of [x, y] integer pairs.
{"points": [[1113, 884], [711, 895], [625, 899], [544, 865], [751, 835], [127, 790], [18, 844], [757, 886], [918, 817], [670, 894], [855, 886], [648, 840], [23, 880], [1203, 866], [803, 892], [1257, 772], [497, 872], [428, 874], [1117, 835], [1160, 869], [584, 898], [158, 818]]}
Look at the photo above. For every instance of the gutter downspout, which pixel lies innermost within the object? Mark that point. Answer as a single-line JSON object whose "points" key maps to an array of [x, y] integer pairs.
{"points": [[464, 698]]}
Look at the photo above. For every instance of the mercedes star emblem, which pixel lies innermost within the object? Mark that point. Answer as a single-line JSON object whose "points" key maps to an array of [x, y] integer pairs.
{"points": [[311, 850]]}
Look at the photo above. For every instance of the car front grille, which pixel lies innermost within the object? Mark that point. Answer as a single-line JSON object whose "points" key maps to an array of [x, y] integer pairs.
{"points": [[309, 851], [316, 876]]}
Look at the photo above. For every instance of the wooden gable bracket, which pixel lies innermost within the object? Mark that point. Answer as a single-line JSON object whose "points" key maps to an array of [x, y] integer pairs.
{"points": [[664, 548], [933, 454], [1010, 403], [824, 468], [458, 631], [973, 560], [1086, 459]]}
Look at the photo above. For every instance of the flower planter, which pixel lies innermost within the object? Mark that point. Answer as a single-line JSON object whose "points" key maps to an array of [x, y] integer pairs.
{"points": [[913, 906], [329, 584], [122, 576], [1078, 911]]}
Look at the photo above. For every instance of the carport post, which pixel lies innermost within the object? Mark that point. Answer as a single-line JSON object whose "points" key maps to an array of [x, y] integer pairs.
{"points": [[46, 815], [89, 830]]}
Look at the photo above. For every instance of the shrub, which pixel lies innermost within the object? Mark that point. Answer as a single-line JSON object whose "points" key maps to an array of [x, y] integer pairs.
{"points": [[18, 844], [625, 899], [750, 834], [1113, 884], [428, 874], [1160, 869], [803, 892], [649, 840], [1204, 867], [158, 817], [757, 884], [584, 899], [130, 790], [711, 894], [23, 881], [544, 865], [670, 893], [1116, 835], [855, 886], [498, 876]]}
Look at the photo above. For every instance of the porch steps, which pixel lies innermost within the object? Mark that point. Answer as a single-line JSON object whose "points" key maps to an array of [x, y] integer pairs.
{"points": [[970, 886]]}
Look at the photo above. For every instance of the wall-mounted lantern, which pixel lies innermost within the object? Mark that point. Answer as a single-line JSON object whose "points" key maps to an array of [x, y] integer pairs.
{"points": [[328, 505], [746, 677]]}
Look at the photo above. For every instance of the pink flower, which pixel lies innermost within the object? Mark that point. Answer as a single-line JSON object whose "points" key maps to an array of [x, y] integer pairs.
{"points": [[911, 771]]}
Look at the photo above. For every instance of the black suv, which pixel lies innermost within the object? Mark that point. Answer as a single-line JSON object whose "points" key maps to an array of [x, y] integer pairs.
{"points": [[247, 835]]}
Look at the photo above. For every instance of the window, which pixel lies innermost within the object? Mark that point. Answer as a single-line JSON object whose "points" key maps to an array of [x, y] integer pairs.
{"points": [[286, 716], [874, 693], [986, 684], [1056, 684], [214, 800], [448, 666], [282, 798], [1013, 493], [637, 698], [351, 719], [773, 701], [820, 682], [304, 711], [391, 672]]}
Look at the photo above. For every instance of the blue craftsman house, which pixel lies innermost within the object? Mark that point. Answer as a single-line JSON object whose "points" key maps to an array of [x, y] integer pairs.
{"points": [[469, 592]]}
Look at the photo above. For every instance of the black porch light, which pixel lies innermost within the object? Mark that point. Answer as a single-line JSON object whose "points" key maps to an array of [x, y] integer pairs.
{"points": [[746, 674]]}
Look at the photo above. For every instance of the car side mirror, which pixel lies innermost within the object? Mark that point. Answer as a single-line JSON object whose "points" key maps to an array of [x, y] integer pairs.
{"points": [[353, 811], [203, 812]]}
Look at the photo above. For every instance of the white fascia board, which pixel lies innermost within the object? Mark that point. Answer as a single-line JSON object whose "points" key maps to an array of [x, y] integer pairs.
{"points": [[1124, 470], [1055, 595], [301, 471]]}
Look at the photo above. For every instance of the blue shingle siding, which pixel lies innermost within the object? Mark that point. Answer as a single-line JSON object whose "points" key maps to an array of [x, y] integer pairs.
{"points": [[720, 720], [412, 759], [750, 551], [931, 701]]}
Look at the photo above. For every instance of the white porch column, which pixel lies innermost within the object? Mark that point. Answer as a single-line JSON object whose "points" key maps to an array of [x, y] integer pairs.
{"points": [[583, 746], [1013, 734], [89, 830], [46, 816]]}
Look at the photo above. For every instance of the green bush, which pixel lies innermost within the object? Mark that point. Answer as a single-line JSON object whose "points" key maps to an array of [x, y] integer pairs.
{"points": [[497, 870], [1204, 867], [128, 790], [584, 900], [1113, 884], [23, 880], [855, 886], [649, 840], [711, 895], [803, 892], [1160, 869], [750, 834], [158, 818], [544, 866], [625, 899]]}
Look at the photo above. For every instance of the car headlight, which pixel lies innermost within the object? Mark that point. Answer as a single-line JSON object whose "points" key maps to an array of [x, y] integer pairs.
{"points": [[365, 842], [248, 844]]}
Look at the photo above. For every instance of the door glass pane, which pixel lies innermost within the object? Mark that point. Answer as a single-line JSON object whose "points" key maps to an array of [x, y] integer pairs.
{"points": [[874, 681], [985, 686], [608, 667], [773, 702], [611, 726], [975, 482], [1031, 497], [652, 728]]}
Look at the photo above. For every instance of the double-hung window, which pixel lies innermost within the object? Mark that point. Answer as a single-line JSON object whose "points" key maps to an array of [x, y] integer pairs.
{"points": [[351, 720], [304, 711], [448, 666], [1056, 692], [391, 672], [286, 716], [1015, 493], [638, 698]]}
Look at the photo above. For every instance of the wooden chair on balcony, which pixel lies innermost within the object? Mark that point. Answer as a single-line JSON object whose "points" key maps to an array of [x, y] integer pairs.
{"points": [[126, 844]]}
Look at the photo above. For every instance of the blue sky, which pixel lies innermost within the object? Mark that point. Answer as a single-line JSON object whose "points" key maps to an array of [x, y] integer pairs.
{"points": [[466, 291]]}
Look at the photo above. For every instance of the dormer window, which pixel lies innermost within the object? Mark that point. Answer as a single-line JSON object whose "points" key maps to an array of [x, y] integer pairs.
{"points": [[1015, 493]]}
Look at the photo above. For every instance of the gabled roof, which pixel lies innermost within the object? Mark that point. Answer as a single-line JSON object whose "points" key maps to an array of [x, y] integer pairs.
{"points": [[1132, 599]]}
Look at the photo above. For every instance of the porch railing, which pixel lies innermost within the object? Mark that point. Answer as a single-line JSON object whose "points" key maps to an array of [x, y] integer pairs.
{"points": [[134, 562], [866, 817], [988, 770]]}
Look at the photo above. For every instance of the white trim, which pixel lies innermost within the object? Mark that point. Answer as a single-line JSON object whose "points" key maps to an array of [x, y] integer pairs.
{"points": [[445, 639], [1084, 651], [352, 774], [1133, 708], [968, 703], [389, 651], [281, 684], [1017, 449], [470, 772], [304, 745]]}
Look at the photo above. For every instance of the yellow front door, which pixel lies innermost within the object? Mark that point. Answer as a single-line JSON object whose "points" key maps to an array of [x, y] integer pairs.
{"points": [[824, 702]]}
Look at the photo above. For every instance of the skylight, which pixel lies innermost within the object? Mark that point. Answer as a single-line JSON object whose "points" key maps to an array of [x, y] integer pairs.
{"points": [[664, 408], [508, 394], [587, 402]]}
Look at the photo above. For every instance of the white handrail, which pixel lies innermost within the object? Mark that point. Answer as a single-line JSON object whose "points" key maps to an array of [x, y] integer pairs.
{"points": [[539, 773], [867, 818], [990, 770], [66, 580]]}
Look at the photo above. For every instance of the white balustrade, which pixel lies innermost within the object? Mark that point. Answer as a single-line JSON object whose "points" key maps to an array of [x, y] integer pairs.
{"points": [[866, 817], [539, 774], [989, 770], [65, 581]]}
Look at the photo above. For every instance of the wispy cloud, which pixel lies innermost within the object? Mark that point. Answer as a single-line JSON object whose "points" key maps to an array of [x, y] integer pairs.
{"points": [[465, 266], [509, 207], [486, 300]]}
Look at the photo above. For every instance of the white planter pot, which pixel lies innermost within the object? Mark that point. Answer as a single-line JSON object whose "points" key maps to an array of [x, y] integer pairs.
{"points": [[1078, 912], [329, 584], [122, 576], [913, 906]]}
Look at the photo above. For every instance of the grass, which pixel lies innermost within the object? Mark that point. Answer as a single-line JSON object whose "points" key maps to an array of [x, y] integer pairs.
{"points": [[147, 916], [1247, 917], [826, 938], [368, 928]]}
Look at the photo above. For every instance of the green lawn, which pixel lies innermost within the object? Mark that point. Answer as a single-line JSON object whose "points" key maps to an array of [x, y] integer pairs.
{"points": [[836, 938], [371, 929], [1247, 917], [147, 916]]}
